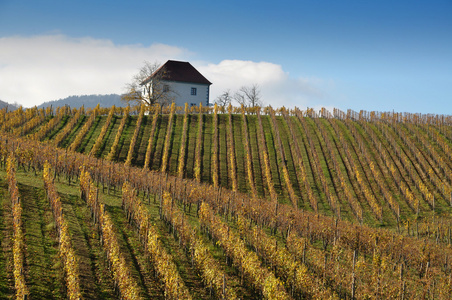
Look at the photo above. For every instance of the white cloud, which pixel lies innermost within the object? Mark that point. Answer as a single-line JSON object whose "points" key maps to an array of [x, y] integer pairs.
{"points": [[48, 67], [277, 87], [42, 68]]}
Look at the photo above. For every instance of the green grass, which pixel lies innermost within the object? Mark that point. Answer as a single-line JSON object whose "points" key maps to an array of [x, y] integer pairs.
{"points": [[361, 164], [126, 137], [223, 161], [142, 141], [109, 138], [275, 160], [95, 278], [257, 167], [157, 150], [91, 136], [57, 128], [66, 142], [174, 146], [316, 147], [207, 146], [133, 251], [6, 259], [38, 126], [191, 145], [290, 163], [44, 275], [240, 155]]}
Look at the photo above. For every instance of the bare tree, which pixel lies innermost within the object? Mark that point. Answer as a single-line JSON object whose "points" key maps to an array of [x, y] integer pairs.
{"points": [[249, 96], [148, 86], [240, 98], [224, 99]]}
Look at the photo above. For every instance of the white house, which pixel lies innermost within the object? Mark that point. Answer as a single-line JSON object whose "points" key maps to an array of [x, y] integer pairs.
{"points": [[181, 83]]}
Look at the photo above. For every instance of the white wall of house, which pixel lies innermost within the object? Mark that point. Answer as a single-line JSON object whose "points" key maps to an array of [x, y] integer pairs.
{"points": [[182, 93]]}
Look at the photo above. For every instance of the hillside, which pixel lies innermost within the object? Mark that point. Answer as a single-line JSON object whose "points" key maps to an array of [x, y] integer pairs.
{"points": [[89, 101], [296, 197], [363, 168], [4, 104]]}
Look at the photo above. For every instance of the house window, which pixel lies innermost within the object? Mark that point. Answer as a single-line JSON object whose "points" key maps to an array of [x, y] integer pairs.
{"points": [[193, 91], [165, 88], [192, 104]]}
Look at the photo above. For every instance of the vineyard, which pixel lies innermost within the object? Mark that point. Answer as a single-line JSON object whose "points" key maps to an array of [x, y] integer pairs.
{"points": [[224, 203]]}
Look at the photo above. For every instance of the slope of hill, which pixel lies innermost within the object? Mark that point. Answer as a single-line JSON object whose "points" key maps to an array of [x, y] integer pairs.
{"points": [[89, 101], [363, 169], [247, 204], [4, 104]]}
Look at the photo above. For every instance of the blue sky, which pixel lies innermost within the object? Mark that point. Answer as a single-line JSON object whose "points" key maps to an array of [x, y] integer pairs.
{"points": [[371, 55]]}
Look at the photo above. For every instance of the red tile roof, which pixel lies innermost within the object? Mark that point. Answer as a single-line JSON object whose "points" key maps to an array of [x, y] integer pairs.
{"points": [[179, 71]]}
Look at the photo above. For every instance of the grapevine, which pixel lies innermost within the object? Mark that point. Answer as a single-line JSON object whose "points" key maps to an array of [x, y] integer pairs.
{"points": [[103, 131], [135, 136], [167, 144], [18, 235], [114, 148], [182, 152], [70, 261], [151, 138]]}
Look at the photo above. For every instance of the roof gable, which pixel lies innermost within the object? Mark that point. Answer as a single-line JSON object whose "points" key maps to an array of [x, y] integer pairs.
{"points": [[179, 71]]}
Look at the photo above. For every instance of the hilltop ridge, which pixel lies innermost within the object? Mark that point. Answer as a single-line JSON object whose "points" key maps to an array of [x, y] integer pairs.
{"points": [[88, 101]]}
